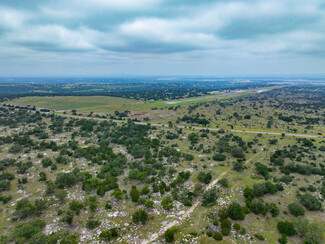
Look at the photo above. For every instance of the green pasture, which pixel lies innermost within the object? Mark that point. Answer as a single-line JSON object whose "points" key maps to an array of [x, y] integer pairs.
{"points": [[101, 104]]}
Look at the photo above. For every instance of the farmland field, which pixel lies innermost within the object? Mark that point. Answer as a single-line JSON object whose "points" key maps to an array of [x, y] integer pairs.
{"points": [[101, 104]]}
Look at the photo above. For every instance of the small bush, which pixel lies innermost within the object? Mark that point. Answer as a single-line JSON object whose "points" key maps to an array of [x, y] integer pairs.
{"points": [[30, 228], [310, 202], [219, 157], [167, 203], [169, 235], [209, 233], [242, 231], [92, 223], [217, 236], [259, 237], [296, 210], [235, 211], [224, 182], [76, 206], [283, 239], [225, 227], [68, 217], [108, 235], [61, 195], [204, 177], [23, 209], [210, 197], [5, 199], [237, 226], [140, 216], [46, 162], [286, 228]]}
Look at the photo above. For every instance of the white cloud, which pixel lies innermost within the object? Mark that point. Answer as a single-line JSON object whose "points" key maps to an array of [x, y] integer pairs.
{"points": [[55, 36], [11, 18], [118, 4]]}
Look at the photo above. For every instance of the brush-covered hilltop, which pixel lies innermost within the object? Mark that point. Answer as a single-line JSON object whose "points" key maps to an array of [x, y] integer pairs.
{"points": [[183, 162]]}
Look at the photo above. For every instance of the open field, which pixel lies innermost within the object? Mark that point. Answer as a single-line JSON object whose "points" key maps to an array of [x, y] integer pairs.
{"points": [[100, 104], [106, 104]]}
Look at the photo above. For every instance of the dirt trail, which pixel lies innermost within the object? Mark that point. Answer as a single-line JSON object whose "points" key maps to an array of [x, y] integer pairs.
{"points": [[182, 126], [156, 235]]}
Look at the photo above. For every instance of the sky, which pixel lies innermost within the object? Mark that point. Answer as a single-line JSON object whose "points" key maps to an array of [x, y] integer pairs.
{"points": [[161, 37]]}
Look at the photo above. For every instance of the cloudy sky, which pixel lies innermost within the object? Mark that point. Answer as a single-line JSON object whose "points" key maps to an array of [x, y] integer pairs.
{"points": [[161, 37]]}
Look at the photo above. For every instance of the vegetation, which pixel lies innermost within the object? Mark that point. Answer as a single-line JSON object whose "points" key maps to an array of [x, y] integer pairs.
{"points": [[140, 216], [122, 180], [296, 210]]}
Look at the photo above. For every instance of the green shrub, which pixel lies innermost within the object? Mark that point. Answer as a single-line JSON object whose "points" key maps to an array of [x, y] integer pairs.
{"points": [[242, 231], [46, 162], [210, 197], [219, 157], [76, 206], [15, 149], [287, 228], [61, 195], [38, 238], [296, 210], [237, 226], [5, 199], [30, 228], [118, 194], [262, 170], [149, 203], [283, 239], [42, 176], [68, 217], [204, 177], [134, 193], [209, 233], [223, 213], [235, 211], [92, 223], [274, 210], [313, 232], [23, 209], [108, 205], [167, 203], [108, 235], [256, 206], [40, 205], [224, 182], [217, 236], [260, 237], [140, 216], [311, 188], [225, 227], [145, 190], [237, 152], [169, 235], [310, 202], [66, 180]]}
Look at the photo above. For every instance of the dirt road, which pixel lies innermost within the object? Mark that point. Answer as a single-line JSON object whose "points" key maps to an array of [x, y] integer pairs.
{"points": [[176, 222]]}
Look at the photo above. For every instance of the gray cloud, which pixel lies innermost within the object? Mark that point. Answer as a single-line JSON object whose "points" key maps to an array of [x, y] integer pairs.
{"points": [[169, 34], [256, 27]]}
